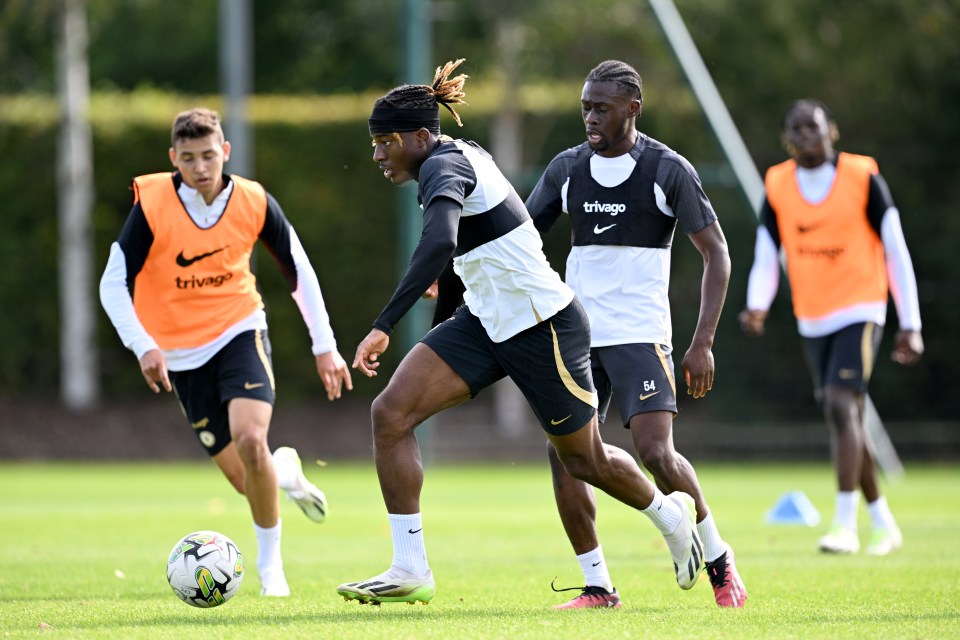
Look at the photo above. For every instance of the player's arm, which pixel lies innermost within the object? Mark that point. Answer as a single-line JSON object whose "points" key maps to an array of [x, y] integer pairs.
{"points": [[698, 363], [127, 256], [885, 219], [437, 243], [282, 242], [545, 202], [684, 198], [764, 277]]}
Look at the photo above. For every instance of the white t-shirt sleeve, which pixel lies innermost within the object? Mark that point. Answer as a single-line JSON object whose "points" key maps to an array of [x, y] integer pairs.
{"points": [[309, 300], [116, 301], [765, 274], [903, 281]]}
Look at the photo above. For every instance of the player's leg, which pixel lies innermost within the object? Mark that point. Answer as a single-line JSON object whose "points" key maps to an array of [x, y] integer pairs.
{"points": [[424, 384], [644, 389], [844, 362], [551, 365], [231, 466], [249, 424], [576, 504], [653, 437], [246, 388], [612, 470]]}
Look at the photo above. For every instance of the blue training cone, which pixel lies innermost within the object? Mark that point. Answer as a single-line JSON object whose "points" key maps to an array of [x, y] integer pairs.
{"points": [[794, 508]]}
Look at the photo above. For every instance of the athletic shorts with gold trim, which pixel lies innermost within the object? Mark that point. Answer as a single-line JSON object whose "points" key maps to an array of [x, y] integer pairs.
{"points": [[549, 362], [242, 369], [638, 376], [845, 357]]}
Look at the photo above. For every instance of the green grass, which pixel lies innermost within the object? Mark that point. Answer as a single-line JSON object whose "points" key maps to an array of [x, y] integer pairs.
{"points": [[84, 548]]}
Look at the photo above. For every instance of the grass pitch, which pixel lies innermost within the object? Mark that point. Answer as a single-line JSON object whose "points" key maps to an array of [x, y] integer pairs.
{"points": [[84, 548]]}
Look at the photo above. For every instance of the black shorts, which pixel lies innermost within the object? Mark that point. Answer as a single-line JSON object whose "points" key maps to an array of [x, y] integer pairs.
{"points": [[549, 362], [844, 358], [242, 369], [639, 376]]}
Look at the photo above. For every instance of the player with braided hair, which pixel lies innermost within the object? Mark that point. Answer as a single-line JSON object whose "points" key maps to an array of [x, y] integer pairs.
{"points": [[624, 193], [518, 319]]}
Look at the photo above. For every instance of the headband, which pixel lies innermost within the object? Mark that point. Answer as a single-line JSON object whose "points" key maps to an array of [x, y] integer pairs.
{"points": [[386, 119]]}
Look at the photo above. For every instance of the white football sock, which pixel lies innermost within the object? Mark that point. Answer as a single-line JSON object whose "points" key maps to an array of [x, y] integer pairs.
{"points": [[664, 514], [847, 503], [595, 570], [269, 560], [713, 544], [409, 552], [880, 514]]}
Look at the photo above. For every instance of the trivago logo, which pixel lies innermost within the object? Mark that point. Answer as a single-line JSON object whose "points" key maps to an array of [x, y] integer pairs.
{"points": [[193, 282], [604, 207]]}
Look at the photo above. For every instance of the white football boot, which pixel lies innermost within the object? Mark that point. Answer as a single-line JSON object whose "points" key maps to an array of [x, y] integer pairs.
{"points": [[308, 497]]}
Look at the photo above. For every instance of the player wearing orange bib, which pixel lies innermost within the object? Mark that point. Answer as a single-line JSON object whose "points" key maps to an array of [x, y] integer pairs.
{"points": [[840, 233], [179, 290]]}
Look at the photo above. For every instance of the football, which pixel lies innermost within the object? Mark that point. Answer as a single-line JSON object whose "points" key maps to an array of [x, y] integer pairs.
{"points": [[205, 569]]}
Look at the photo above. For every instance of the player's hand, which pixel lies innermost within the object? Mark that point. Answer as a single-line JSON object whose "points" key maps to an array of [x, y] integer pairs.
{"points": [[698, 370], [431, 291], [751, 321], [153, 366], [334, 372], [369, 351], [907, 347]]}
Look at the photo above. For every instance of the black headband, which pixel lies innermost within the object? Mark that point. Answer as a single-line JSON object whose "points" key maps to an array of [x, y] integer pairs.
{"points": [[385, 120]]}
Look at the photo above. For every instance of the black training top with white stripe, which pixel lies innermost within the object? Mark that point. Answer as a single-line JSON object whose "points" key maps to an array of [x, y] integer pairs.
{"points": [[623, 219], [468, 204]]}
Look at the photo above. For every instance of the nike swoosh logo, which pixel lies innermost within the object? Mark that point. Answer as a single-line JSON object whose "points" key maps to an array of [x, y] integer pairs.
{"points": [[598, 229], [596, 564], [556, 422], [411, 531], [186, 262], [810, 227], [644, 396], [252, 385]]}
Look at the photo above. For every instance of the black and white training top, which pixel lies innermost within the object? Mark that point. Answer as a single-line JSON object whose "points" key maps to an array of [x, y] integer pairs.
{"points": [[472, 212], [623, 212]]}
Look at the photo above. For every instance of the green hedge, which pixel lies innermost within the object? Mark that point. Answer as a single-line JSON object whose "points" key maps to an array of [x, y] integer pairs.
{"points": [[322, 174]]}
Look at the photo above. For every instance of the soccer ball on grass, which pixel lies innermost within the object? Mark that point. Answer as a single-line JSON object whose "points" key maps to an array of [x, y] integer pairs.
{"points": [[205, 569]]}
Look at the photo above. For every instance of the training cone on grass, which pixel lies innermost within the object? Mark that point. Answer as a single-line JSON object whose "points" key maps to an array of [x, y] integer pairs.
{"points": [[794, 508]]}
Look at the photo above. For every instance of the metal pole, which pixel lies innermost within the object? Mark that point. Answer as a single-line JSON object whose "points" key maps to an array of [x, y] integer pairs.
{"points": [[236, 81], [79, 371], [710, 100], [417, 39], [416, 69]]}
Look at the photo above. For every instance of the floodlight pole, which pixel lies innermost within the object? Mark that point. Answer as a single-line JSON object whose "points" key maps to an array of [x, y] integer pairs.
{"points": [[236, 81], [416, 67], [79, 370], [417, 39]]}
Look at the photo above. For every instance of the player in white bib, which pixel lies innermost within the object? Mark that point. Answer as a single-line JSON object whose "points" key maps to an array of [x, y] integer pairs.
{"points": [[624, 193]]}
